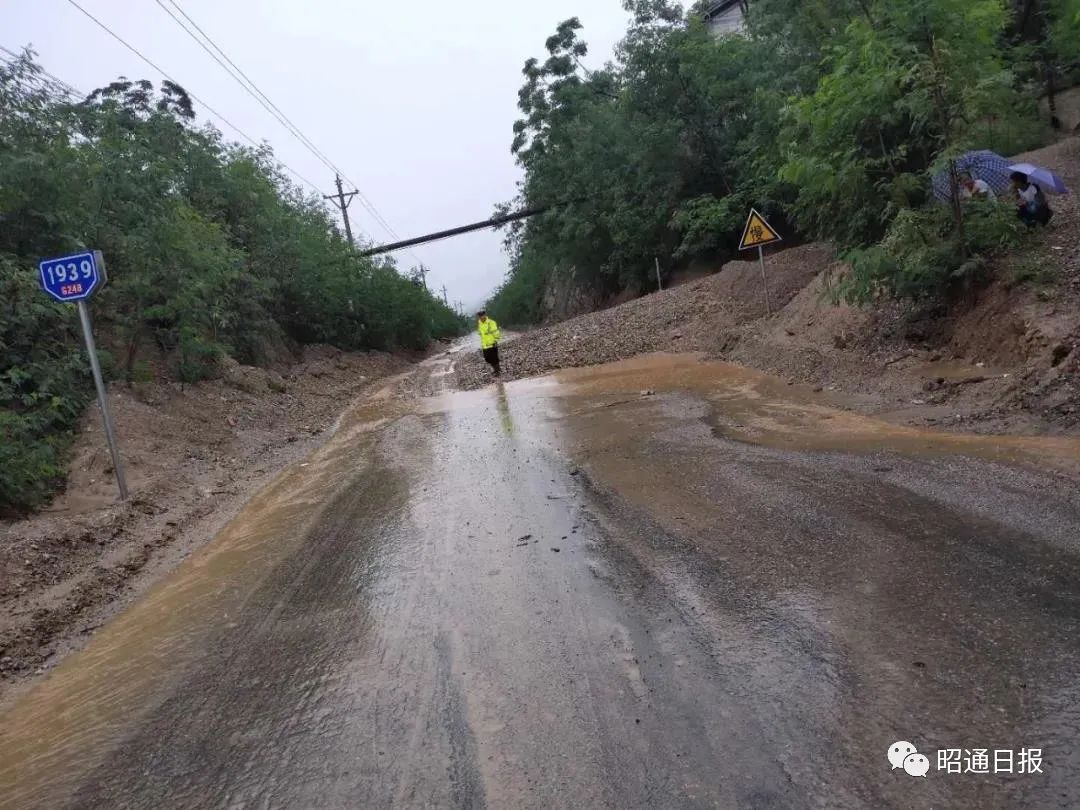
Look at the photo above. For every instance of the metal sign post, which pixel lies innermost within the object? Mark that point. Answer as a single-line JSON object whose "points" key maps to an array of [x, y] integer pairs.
{"points": [[759, 233], [75, 278], [764, 279], [110, 437]]}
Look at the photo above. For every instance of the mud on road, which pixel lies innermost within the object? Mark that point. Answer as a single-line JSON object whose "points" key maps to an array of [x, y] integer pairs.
{"points": [[194, 455], [657, 583]]}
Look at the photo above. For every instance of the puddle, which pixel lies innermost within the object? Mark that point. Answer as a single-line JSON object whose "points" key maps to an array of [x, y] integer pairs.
{"points": [[748, 406], [955, 371]]}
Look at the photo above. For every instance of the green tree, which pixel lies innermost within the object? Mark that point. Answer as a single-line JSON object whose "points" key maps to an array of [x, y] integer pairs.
{"points": [[658, 154], [211, 251], [904, 92]]}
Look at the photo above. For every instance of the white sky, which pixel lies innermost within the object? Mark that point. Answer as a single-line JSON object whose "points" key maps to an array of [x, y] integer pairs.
{"points": [[413, 100]]}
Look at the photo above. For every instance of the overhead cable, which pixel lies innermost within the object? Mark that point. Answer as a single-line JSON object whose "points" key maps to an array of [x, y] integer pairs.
{"points": [[210, 109]]}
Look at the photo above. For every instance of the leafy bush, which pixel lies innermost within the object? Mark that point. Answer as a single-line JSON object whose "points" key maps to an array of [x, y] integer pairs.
{"points": [[44, 386], [1035, 271], [707, 224], [32, 461], [923, 256], [197, 357]]}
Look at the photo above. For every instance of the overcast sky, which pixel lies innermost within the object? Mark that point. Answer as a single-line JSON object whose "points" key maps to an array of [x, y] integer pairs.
{"points": [[413, 100]]}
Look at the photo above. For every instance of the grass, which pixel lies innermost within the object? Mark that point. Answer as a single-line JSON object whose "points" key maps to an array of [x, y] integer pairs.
{"points": [[1034, 271]]}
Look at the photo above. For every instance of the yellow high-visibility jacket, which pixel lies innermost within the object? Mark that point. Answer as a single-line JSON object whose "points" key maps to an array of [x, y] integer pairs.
{"points": [[489, 333]]}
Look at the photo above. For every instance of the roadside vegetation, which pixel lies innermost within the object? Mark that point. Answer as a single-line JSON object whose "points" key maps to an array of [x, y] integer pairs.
{"points": [[211, 251], [830, 117]]}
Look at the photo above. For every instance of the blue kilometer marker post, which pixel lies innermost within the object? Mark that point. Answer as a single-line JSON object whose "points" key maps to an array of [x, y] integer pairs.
{"points": [[74, 279]]}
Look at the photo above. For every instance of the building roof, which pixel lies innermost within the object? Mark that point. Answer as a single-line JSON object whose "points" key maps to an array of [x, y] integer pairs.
{"points": [[719, 7]]}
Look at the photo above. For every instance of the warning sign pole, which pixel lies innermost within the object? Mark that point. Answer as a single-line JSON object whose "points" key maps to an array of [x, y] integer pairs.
{"points": [[764, 279], [759, 233]]}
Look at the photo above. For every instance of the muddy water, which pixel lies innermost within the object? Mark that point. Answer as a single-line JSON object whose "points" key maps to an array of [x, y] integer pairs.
{"points": [[748, 406], [859, 581], [657, 583], [63, 728]]}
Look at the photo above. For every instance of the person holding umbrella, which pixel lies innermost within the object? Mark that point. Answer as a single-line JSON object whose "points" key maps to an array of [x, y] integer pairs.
{"points": [[986, 168], [1031, 204], [975, 188]]}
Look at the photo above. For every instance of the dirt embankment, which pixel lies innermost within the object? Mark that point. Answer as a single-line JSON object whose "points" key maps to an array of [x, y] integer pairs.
{"points": [[193, 455], [1006, 360], [698, 316]]}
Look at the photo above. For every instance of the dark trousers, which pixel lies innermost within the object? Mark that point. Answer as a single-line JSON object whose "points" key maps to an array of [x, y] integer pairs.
{"points": [[492, 357], [1035, 214]]}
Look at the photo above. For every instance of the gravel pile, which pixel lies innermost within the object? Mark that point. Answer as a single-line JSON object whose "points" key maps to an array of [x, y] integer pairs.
{"points": [[698, 316]]}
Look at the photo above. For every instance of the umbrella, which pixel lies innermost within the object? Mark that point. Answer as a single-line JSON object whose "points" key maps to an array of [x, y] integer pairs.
{"points": [[1045, 179], [982, 165]]}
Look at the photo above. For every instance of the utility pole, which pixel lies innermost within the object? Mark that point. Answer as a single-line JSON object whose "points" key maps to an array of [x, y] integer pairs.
{"points": [[444, 299], [340, 201], [423, 275]]}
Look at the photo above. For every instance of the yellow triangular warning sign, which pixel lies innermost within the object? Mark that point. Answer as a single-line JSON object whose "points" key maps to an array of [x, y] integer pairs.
{"points": [[758, 232]]}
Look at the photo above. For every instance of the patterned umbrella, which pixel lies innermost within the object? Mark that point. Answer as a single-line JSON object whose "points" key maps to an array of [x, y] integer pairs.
{"points": [[982, 165], [1045, 179]]}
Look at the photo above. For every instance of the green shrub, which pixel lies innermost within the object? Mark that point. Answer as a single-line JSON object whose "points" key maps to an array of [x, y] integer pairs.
{"points": [[1034, 271], [197, 357], [923, 256], [44, 387], [142, 372], [708, 224], [31, 462]]}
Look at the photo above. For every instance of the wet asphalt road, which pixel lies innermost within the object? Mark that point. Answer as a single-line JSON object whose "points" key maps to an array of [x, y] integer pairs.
{"points": [[589, 595]]}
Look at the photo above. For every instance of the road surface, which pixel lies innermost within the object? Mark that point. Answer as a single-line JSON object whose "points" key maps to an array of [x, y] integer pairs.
{"points": [[659, 584]]}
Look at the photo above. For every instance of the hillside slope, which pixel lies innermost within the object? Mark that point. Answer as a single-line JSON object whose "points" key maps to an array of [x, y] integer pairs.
{"points": [[1003, 360]]}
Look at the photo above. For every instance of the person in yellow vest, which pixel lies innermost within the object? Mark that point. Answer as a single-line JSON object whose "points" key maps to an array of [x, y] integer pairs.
{"points": [[489, 340]]}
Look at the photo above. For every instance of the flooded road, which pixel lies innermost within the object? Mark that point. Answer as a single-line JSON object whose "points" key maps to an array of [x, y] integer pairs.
{"points": [[660, 583]]}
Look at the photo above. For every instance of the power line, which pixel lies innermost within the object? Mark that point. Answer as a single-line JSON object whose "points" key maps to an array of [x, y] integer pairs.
{"points": [[247, 83], [261, 97], [249, 86], [267, 105], [214, 112], [252, 91], [78, 95]]}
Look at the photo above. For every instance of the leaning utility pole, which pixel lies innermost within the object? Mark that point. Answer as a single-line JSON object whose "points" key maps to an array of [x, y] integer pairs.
{"points": [[340, 200], [494, 222]]}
